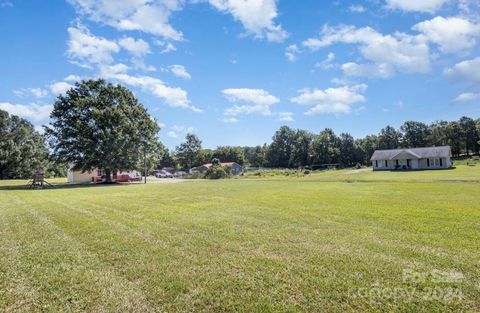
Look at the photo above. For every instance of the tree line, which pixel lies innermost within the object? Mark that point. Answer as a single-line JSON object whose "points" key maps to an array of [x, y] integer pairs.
{"points": [[293, 148], [99, 125]]}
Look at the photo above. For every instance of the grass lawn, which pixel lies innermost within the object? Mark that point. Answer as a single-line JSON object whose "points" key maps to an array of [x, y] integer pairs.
{"points": [[331, 241]]}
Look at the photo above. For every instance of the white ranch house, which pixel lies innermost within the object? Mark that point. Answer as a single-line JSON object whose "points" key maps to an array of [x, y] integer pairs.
{"points": [[412, 159]]}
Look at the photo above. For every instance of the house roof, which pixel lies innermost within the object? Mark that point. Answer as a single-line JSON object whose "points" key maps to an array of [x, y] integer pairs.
{"points": [[419, 153]]}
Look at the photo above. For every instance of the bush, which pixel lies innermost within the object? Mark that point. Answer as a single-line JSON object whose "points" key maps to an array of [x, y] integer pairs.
{"points": [[358, 166], [216, 172], [194, 175]]}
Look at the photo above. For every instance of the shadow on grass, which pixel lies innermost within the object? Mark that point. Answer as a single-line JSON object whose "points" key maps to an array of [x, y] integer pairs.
{"points": [[58, 186]]}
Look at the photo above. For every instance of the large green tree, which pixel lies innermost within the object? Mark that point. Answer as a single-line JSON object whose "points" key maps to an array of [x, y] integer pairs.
{"points": [[389, 138], [469, 134], [187, 153], [325, 148], [22, 148], [100, 125], [300, 153], [279, 151], [415, 134]]}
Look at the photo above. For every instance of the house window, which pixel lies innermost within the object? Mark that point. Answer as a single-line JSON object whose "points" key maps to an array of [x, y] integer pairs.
{"points": [[396, 163], [428, 162], [437, 162], [386, 163], [376, 163], [441, 162]]}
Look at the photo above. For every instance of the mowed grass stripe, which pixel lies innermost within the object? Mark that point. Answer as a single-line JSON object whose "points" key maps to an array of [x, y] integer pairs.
{"points": [[17, 292], [68, 276]]}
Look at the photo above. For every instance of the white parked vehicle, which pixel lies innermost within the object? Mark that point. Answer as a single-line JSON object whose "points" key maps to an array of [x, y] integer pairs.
{"points": [[163, 174]]}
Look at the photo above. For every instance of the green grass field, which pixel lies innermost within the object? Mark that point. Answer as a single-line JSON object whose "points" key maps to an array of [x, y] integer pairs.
{"points": [[331, 241]]}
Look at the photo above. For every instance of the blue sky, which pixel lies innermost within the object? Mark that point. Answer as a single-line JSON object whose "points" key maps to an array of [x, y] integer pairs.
{"points": [[234, 71]]}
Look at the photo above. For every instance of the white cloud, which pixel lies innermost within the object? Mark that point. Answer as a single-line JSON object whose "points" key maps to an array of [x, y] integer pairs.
{"points": [[137, 47], [172, 134], [142, 15], [331, 100], [465, 71], [230, 120], [173, 96], [406, 53], [168, 46], [426, 6], [72, 78], [285, 116], [356, 8], [60, 88], [466, 97], [180, 71], [452, 34], [327, 63], [38, 92], [36, 112], [382, 70], [176, 130], [86, 49], [250, 101], [291, 52], [161, 124], [255, 15]]}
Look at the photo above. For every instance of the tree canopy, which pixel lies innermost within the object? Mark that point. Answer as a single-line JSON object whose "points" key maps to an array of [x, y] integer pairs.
{"points": [[187, 153], [22, 148], [100, 125]]}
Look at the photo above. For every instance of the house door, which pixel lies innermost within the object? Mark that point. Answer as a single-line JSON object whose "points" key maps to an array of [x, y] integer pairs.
{"points": [[408, 163]]}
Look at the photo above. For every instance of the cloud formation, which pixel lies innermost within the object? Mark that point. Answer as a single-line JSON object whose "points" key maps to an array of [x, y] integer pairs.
{"points": [[249, 101], [331, 100]]}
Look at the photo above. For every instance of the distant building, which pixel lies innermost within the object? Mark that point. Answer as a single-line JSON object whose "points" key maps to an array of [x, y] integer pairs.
{"points": [[77, 177], [236, 168], [412, 159]]}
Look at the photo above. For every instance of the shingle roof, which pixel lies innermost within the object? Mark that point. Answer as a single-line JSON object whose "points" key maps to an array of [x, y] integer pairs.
{"points": [[430, 152]]}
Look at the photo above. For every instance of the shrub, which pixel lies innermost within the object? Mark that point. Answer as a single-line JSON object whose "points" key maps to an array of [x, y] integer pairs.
{"points": [[216, 172], [194, 175], [358, 166], [306, 172]]}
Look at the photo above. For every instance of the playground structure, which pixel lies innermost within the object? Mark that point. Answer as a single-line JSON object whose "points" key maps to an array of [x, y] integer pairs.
{"points": [[38, 182]]}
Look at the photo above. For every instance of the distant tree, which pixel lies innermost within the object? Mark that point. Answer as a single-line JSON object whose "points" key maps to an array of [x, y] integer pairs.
{"points": [[187, 153], [365, 148], [216, 162], [255, 156], [230, 154], [325, 148], [204, 156], [279, 151], [477, 123], [389, 138], [100, 125], [22, 148], [347, 150], [454, 137], [469, 134], [167, 159], [438, 133], [415, 134], [154, 157], [300, 152]]}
